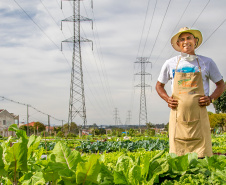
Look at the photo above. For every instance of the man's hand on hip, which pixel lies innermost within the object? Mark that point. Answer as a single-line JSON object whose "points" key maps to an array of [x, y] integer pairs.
{"points": [[204, 101], [172, 103]]}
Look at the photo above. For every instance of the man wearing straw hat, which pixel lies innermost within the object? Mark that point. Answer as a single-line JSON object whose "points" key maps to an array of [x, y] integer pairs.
{"points": [[189, 127]]}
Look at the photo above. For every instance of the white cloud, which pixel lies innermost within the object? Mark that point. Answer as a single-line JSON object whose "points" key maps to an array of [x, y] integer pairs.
{"points": [[35, 72]]}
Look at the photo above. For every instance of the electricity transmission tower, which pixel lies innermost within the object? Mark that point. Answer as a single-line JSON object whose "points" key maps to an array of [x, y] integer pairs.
{"points": [[77, 106], [128, 118], [143, 107], [116, 118]]}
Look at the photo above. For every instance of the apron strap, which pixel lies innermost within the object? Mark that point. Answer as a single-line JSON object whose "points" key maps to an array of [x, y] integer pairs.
{"points": [[178, 63], [198, 64], [180, 59]]}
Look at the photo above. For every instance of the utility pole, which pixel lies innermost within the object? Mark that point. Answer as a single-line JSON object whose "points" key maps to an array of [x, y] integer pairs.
{"points": [[77, 106], [143, 61], [48, 124], [28, 120]]}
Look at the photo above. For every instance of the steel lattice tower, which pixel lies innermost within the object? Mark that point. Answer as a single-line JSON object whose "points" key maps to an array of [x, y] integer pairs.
{"points": [[77, 106], [116, 116], [143, 107], [128, 118]]}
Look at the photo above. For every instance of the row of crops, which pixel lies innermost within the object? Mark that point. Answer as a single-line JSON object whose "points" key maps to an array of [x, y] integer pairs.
{"points": [[112, 146], [133, 145], [23, 164]]}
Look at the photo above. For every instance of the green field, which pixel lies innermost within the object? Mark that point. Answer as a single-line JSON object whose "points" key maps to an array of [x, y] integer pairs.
{"points": [[137, 161]]}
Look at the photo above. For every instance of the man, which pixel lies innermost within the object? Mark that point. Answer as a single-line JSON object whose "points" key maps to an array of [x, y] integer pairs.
{"points": [[189, 128]]}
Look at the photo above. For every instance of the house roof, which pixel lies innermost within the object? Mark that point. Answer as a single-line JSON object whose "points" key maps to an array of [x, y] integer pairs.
{"points": [[50, 128], [2, 110], [30, 124], [13, 115]]}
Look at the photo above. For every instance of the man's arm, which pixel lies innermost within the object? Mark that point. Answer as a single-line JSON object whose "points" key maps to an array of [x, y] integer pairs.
{"points": [[206, 100], [160, 88]]}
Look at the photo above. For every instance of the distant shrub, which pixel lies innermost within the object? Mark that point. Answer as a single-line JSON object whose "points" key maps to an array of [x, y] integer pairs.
{"points": [[152, 132], [60, 134], [71, 135]]}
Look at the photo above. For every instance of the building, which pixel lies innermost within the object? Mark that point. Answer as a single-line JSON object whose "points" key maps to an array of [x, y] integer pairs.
{"points": [[49, 129], [7, 119]]}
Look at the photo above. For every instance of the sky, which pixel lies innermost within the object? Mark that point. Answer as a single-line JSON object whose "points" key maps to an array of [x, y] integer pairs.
{"points": [[35, 72]]}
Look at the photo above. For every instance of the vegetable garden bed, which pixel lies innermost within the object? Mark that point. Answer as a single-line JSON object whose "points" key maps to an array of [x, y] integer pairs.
{"points": [[133, 145], [22, 164]]}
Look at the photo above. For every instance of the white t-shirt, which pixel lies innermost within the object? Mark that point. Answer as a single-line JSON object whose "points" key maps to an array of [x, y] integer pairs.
{"points": [[208, 68]]}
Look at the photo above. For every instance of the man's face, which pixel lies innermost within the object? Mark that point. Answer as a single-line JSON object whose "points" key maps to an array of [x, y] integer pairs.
{"points": [[186, 42]]}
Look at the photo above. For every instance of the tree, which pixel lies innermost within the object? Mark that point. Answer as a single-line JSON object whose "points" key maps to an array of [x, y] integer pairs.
{"points": [[222, 121], [217, 120], [166, 128], [73, 128], [57, 129], [150, 125], [41, 126], [209, 113], [24, 127], [220, 103], [95, 125], [131, 132], [95, 131], [98, 131], [60, 134], [213, 120]]}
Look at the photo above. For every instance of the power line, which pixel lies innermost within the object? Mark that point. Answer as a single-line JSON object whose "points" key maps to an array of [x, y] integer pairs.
{"points": [[31, 107], [200, 14], [133, 90], [58, 3], [91, 80], [99, 74], [171, 36], [160, 27], [97, 102], [100, 55], [173, 31], [134, 69], [143, 27], [41, 29], [213, 32], [149, 27], [102, 70], [100, 110], [193, 22], [48, 12], [109, 100], [36, 24]]}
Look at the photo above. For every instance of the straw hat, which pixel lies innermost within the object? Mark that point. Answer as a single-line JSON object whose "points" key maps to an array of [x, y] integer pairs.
{"points": [[197, 34]]}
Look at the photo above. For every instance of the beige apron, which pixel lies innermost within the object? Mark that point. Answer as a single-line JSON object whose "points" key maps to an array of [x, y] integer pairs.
{"points": [[189, 127]]}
